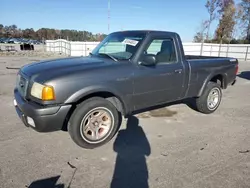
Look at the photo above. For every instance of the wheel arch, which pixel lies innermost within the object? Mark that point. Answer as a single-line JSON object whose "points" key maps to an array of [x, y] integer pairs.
{"points": [[115, 97], [220, 78]]}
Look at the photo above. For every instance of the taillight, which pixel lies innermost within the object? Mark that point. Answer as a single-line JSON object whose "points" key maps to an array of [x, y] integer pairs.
{"points": [[237, 69]]}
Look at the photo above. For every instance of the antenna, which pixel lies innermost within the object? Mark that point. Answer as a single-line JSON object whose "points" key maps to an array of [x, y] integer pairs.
{"points": [[108, 16]]}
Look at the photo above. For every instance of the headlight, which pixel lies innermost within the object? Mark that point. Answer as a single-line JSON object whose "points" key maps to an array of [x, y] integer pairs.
{"points": [[42, 92]]}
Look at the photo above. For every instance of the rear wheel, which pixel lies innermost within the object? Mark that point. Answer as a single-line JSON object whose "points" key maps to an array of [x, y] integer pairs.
{"points": [[93, 123], [210, 100]]}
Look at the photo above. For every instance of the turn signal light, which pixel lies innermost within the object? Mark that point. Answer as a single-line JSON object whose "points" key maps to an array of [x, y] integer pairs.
{"points": [[48, 93]]}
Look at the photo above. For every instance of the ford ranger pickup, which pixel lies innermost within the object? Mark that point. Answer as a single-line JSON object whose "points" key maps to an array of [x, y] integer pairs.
{"points": [[127, 72]]}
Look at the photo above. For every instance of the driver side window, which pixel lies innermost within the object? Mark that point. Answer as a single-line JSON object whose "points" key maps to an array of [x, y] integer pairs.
{"points": [[164, 51]]}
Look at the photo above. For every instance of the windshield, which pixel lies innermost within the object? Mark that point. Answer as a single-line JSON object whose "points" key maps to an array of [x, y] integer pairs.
{"points": [[119, 46]]}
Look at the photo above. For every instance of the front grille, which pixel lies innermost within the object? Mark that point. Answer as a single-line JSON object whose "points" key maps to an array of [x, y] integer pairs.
{"points": [[22, 85]]}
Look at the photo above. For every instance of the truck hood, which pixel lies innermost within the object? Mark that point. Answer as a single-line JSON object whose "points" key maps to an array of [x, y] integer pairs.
{"points": [[63, 66]]}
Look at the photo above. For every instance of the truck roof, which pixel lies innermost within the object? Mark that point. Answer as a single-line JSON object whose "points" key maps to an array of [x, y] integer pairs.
{"points": [[147, 32]]}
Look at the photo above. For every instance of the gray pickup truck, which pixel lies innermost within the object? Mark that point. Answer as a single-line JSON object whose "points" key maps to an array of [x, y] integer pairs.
{"points": [[127, 72]]}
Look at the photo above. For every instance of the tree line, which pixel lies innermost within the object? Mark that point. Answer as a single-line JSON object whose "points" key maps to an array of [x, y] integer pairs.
{"points": [[42, 34], [233, 22]]}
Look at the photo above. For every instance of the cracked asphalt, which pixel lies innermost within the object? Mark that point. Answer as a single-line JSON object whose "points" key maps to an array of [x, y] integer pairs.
{"points": [[184, 149]]}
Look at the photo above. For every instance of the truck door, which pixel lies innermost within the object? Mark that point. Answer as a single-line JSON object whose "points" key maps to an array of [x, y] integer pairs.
{"points": [[163, 82]]}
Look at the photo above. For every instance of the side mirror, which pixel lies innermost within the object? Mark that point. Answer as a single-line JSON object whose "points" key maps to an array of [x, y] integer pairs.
{"points": [[148, 60]]}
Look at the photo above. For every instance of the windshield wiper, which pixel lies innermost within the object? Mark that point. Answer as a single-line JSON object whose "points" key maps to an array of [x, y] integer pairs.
{"points": [[110, 56]]}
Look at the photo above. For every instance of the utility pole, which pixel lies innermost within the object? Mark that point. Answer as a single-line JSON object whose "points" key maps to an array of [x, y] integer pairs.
{"points": [[108, 16]]}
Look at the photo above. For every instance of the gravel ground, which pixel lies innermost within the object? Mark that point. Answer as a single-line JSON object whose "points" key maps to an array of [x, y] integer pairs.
{"points": [[173, 147]]}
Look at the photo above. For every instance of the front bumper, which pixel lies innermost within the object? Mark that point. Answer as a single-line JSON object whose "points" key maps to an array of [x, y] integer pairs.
{"points": [[40, 118]]}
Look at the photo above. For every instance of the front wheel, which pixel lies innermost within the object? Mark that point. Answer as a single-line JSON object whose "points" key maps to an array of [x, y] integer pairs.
{"points": [[210, 100], [93, 123]]}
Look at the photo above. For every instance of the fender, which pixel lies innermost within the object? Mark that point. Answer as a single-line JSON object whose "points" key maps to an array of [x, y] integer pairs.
{"points": [[209, 78], [95, 89]]}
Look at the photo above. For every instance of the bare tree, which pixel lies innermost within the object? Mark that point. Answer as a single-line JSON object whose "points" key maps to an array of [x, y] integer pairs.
{"points": [[199, 36], [223, 4], [58, 33], [1, 30], [211, 7], [245, 17], [48, 33], [227, 21], [237, 31]]}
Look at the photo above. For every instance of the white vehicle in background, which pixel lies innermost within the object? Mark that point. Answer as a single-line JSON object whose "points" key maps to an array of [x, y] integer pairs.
{"points": [[14, 41]]}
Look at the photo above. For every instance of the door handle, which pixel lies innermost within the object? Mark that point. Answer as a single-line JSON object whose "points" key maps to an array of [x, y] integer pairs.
{"points": [[178, 71]]}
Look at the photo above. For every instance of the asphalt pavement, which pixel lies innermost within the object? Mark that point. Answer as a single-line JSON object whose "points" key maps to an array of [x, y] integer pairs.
{"points": [[185, 149]]}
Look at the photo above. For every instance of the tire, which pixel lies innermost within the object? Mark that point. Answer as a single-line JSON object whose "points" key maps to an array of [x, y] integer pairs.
{"points": [[202, 103], [82, 118]]}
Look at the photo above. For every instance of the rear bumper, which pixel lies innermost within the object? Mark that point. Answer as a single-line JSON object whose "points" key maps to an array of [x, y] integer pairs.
{"points": [[40, 118]]}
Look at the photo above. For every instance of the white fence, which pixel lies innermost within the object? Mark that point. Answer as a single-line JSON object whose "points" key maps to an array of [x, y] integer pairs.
{"points": [[70, 48], [239, 51]]}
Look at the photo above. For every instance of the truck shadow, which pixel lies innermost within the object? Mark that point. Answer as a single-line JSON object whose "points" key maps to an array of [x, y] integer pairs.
{"points": [[48, 183], [132, 147], [244, 75]]}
